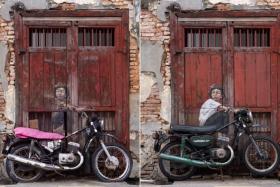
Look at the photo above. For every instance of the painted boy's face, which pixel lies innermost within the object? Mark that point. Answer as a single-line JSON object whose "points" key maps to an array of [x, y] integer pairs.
{"points": [[216, 94]]}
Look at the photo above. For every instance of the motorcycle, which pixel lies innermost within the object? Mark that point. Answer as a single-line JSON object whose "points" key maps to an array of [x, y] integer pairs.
{"points": [[188, 148], [30, 152]]}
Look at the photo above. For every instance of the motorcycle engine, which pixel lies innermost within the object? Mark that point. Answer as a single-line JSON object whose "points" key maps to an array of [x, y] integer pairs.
{"points": [[218, 153], [51, 145], [66, 158], [69, 158]]}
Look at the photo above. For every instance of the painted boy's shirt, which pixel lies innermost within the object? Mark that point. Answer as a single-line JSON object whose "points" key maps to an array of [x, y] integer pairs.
{"points": [[208, 108]]}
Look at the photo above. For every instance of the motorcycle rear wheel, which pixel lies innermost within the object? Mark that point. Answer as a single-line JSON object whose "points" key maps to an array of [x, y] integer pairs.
{"points": [[108, 172], [175, 170], [19, 172], [262, 166]]}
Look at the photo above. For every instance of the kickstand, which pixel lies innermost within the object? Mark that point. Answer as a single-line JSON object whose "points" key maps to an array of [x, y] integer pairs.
{"points": [[222, 174]]}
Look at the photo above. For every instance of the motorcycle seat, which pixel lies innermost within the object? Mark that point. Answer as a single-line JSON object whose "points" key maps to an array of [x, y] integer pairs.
{"points": [[181, 129], [23, 132]]}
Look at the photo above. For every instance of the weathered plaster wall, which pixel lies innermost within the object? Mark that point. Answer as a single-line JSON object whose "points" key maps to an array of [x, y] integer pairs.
{"points": [[7, 59], [7, 74], [155, 66]]}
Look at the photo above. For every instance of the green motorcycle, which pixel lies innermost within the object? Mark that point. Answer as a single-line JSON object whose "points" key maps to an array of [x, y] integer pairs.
{"points": [[189, 148]]}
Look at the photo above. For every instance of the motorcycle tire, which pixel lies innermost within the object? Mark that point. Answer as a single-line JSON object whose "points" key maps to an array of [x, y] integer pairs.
{"points": [[19, 172], [105, 170], [252, 159], [165, 167]]}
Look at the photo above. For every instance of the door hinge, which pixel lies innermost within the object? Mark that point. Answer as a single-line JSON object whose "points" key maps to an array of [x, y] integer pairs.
{"points": [[178, 52], [21, 51]]}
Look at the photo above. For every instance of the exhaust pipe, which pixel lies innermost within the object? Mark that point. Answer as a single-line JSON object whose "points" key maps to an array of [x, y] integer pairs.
{"points": [[198, 163], [42, 165], [33, 163]]}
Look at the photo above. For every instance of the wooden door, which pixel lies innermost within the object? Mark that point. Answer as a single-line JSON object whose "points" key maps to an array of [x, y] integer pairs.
{"points": [[255, 72], [77, 58], [199, 64], [239, 55]]}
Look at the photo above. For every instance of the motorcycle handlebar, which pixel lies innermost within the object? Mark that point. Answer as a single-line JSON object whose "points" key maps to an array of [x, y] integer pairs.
{"points": [[77, 109]]}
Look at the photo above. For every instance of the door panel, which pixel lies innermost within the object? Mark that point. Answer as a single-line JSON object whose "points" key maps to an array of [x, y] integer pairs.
{"points": [[96, 77], [36, 84], [47, 70], [201, 71], [252, 79]]}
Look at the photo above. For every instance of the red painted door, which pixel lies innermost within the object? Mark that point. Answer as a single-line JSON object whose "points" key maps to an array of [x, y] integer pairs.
{"points": [[199, 64], [82, 61], [242, 56], [255, 73]]}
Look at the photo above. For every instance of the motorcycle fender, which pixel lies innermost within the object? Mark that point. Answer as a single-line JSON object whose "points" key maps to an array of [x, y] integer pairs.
{"points": [[7, 148]]}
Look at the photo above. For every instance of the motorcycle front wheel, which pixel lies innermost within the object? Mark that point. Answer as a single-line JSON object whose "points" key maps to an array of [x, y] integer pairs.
{"points": [[265, 164], [115, 171], [19, 172], [175, 170]]}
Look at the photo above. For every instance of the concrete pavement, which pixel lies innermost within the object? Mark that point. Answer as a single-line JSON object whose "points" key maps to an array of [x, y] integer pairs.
{"points": [[200, 182], [71, 182], [233, 182]]}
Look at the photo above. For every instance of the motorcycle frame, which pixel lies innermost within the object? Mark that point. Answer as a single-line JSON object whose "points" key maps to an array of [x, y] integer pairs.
{"points": [[239, 129], [91, 137]]}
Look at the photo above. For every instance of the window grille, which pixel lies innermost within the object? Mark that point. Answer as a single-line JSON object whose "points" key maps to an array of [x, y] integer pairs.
{"points": [[47, 37], [248, 37], [203, 37], [96, 37]]}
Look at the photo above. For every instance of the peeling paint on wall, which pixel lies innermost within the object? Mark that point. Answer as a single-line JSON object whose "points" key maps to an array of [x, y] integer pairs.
{"points": [[10, 98], [165, 109], [151, 55], [234, 2], [29, 4], [134, 111], [3, 60], [92, 2], [184, 4], [147, 80]]}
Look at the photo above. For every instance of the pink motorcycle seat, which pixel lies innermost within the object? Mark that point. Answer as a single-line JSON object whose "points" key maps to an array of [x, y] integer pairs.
{"points": [[23, 132]]}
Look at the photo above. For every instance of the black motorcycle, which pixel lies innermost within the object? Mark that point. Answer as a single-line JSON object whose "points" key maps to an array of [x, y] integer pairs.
{"points": [[190, 147], [29, 156]]}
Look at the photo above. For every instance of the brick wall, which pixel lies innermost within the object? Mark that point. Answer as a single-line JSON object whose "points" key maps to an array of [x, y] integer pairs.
{"points": [[273, 3], [150, 109], [134, 66], [152, 29]]}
